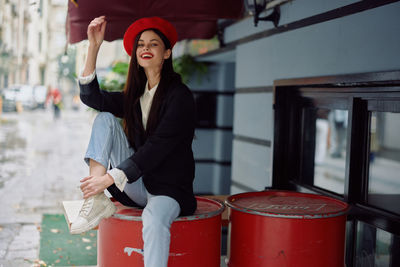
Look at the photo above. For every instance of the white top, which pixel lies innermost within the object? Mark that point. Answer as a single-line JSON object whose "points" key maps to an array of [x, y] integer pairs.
{"points": [[146, 100]]}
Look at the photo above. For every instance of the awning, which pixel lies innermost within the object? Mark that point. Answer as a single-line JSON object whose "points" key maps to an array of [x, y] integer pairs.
{"points": [[193, 19]]}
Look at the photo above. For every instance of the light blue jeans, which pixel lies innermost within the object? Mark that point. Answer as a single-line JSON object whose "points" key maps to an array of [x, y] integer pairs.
{"points": [[109, 145]]}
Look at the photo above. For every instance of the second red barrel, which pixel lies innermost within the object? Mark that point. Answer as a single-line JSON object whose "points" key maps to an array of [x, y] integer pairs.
{"points": [[282, 228]]}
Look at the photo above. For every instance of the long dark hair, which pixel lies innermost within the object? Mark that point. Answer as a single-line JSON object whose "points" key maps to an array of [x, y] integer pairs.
{"points": [[134, 89]]}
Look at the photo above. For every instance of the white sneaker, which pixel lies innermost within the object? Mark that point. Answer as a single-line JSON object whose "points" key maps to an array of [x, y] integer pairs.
{"points": [[94, 209]]}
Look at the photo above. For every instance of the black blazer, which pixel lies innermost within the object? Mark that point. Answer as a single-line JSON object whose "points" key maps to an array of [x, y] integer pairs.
{"points": [[165, 158]]}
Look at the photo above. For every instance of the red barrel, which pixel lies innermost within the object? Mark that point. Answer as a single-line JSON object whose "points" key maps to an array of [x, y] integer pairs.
{"points": [[195, 240], [285, 229]]}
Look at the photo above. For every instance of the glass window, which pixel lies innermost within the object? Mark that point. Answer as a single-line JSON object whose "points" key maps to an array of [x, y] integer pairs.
{"points": [[330, 149], [375, 247], [384, 161], [206, 108]]}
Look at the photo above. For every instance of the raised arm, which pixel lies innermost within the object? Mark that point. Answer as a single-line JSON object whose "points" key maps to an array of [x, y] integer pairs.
{"points": [[90, 92], [95, 34]]}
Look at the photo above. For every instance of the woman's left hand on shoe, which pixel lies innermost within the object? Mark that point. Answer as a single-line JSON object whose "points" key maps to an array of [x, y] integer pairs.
{"points": [[93, 185]]}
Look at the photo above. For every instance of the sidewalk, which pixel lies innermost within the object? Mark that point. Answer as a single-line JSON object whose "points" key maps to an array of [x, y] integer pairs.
{"points": [[40, 165]]}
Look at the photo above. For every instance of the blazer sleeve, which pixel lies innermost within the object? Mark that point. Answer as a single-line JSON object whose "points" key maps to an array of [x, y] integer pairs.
{"points": [[176, 125], [101, 100]]}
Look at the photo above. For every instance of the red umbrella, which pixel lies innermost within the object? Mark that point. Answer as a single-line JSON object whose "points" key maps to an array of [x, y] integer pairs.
{"points": [[192, 19]]}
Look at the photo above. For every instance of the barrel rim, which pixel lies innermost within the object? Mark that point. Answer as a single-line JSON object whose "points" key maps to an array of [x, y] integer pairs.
{"points": [[229, 203], [183, 218]]}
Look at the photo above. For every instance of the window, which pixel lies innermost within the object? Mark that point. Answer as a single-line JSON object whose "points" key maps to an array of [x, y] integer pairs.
{"points": [[339, 136], [40, 42], [206, 108], [326, 132], [375, 247], [384, 161]]}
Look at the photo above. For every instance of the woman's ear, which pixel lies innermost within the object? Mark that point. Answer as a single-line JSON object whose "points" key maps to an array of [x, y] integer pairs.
{"points": [[167, 53]]}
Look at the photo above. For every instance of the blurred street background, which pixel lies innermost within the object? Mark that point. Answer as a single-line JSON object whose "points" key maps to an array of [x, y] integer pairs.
{"points": [[40, 165], [44, 128]]}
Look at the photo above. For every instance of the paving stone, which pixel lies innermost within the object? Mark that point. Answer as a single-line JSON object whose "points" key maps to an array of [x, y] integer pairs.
{"points": [[4, 245], [24, 244], [9, 230], [16, 263], [30, 254]]}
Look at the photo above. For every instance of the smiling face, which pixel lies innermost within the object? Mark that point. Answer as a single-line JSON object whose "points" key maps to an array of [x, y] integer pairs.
{"points": [[151, 51]]}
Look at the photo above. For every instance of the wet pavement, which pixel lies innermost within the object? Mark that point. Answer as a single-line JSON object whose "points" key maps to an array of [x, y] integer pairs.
{"points": [[40, 165]]}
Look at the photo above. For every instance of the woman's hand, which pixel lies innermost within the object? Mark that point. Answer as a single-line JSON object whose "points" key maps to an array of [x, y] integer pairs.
{"points": [[96, 31], [92, 185]]}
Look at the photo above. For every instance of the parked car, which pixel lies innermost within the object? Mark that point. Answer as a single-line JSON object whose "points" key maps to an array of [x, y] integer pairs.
{"points": [[25, 96], [18, 97], [40, 94], [9, 96]]}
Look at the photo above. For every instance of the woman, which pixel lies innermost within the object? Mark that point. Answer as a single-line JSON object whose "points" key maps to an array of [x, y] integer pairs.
{"points": [[151, 156]]}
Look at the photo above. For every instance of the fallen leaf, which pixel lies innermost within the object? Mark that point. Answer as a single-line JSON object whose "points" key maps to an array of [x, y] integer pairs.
{"points": [[85, 240], [92, 234], [88, 248], [55, 251], [55, 231], [1, 228], [57, 261], [40, 263]]}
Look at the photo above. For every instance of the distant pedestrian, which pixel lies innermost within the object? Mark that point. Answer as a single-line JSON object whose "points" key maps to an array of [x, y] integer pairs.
{"points": [[338, 125], [54, 95]]}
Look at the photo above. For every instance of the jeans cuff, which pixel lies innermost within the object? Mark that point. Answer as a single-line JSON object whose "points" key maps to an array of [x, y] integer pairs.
{"points": [[102, 161]]}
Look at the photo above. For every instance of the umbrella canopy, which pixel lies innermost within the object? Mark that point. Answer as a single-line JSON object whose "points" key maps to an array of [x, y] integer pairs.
{"points": [[192, 19]]}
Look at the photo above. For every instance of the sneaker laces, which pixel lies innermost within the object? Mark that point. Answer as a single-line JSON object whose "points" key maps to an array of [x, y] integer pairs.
{"points": [[87, 205]]}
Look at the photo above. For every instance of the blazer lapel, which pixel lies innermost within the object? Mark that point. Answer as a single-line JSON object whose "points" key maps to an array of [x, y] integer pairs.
{"points": [[140, 137]]}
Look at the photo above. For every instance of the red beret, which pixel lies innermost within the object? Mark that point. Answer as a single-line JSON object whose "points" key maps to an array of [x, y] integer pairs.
{"points": [[142, 24]]}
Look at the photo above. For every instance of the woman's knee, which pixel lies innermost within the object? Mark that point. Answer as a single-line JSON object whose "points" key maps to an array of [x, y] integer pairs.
{"points": [[160, 212], [105, 119], [153, 220]]}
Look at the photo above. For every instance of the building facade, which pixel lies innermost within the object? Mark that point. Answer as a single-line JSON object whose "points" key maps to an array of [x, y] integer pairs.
{"points": [[32, 41], [315, 39]]}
